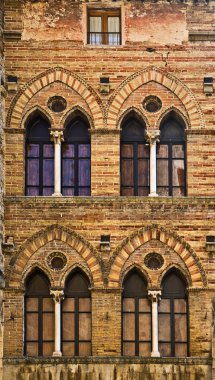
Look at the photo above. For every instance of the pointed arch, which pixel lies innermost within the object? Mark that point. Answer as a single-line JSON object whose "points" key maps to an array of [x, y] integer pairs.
{"points": [[33, 112], [154, 74], [171, 239], [72, 268], [55, 232], [29, 271], [138, 268], [134, 111], [77, 111], [177, 112], [177, 269], [57, 74]]}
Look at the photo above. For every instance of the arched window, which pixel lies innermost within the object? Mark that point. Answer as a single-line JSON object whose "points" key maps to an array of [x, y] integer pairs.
{"points": [[173, 316], [76, 316], [134, 158], [39, 316], [39, 158], [171, 157], [136, 316], [76, 158]]}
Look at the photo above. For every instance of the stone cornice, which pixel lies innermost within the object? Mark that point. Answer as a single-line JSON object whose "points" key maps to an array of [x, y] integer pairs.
{"points": [[201, 35], [200, 132]]}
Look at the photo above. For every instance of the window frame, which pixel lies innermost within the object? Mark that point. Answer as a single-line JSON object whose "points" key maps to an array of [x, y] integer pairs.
{"points": [[104, 13]]}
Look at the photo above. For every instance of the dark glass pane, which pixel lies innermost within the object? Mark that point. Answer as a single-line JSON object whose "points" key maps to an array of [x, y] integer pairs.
{"points": [[128, 349], [33, 172], [143, 151], [32, 191], [48, 172], [178, 151], [163, 191], [84, 150], [134, 284], [178, 191], [84, 172], [132, 131], [178, 172], [76, 130], [173, 285], [129, 191], [127, 176], [48, 150], [145, 327], [180, 328], [172, 130], [162, 173], [143, 172], [33, 150], [164, 327], [37, 284], [129, 326], [165, 349], [162, 151], [68, 192], [84, 192], [68, 150], [38, 129], [68, 172], [143, 191], [48, 191], [127, 150], [78, 282]]}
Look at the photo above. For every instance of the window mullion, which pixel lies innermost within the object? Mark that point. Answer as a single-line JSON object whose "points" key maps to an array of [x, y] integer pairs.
{"points": [[172, 321], [40, 326], [136, 326], [170, 168], [135, 167], [76, 166], [76, 326], [40, 168]]}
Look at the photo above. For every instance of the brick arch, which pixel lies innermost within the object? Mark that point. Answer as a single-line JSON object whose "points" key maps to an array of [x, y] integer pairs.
{"points": [[37, 109], [30, 270], [55, 232], [132, 83], [57, 74], [135, 110], [172, 240], [79, 110]]}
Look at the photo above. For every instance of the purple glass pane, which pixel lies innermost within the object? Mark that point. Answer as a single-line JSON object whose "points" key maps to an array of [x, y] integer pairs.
{"points": [[48, 172], [33, 172], [84, 192], [84, 172], [68, 150], [33, 150], [47, 191], [32, 191], [84, 150], [48, 150], [68, 192], [68, 172]]}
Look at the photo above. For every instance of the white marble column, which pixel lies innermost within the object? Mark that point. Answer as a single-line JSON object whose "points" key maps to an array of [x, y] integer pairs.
{"points": [[57, 138], [58, 297], [152, 137], [154, 295]]}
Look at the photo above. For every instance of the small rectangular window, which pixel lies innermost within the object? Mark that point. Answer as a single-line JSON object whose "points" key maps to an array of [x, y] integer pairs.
{"points": [[104, 27]]}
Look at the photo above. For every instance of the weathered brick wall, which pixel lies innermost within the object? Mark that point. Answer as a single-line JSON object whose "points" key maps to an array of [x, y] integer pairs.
{"points": [[156, 58]]}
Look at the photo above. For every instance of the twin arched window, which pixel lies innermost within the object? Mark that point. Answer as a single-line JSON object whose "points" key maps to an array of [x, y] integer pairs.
{"points": [[134, 160], [40, 317], [75, 158], [76, 316]]}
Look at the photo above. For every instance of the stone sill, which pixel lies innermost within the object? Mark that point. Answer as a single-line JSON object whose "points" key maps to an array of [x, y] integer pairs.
{"points": [[203, 35], [108, 360], [108, 199]]}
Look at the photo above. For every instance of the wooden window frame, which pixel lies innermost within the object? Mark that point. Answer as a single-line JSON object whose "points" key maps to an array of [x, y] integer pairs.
{"points": [[104, 14]]}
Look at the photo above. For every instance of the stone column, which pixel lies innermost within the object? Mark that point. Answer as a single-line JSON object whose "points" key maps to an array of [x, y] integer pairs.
{"points": [[58, 297], [154, 295], [57, 138], [152, 137]]}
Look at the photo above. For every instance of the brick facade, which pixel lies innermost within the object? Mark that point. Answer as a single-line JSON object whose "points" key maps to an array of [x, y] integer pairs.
{"points": [[167, 49]]}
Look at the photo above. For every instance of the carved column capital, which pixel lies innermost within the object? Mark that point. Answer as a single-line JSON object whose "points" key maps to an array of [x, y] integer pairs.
{"points": [[56, 136], [58, 295], [154, 295], [152, 136]]}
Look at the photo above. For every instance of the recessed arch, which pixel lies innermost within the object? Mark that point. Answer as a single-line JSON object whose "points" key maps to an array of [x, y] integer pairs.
{"points": [[171, 239], [133, 111], [177, 113], [31, 269], [177, 269], [72, 268], [36, 111], [154, 74], [135, 267], [55, 232], [73, 113], [44, 79]]}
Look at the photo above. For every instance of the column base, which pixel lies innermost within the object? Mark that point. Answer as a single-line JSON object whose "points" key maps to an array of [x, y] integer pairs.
{"points": [[57, 353], [155, 354], [56, 195], [153, 195]]}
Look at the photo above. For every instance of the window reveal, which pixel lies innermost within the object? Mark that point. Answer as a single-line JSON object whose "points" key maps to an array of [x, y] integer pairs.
{"points": [[104, 27]]}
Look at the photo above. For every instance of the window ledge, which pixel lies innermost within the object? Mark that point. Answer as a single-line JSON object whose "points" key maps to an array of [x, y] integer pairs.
{"points": [[107, 360]]}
